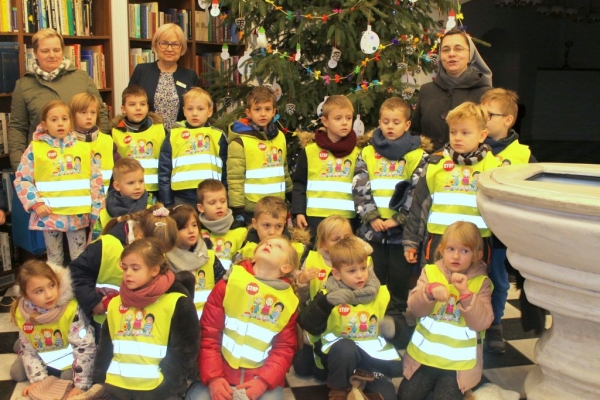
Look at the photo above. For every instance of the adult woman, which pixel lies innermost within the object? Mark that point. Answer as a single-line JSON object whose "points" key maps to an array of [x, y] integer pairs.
{"points": [[51, 77], [164, 81], [463, 76]]}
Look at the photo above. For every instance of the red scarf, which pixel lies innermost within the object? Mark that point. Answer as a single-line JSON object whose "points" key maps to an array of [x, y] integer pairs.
{"points": [[148, 294], [339, 149]]}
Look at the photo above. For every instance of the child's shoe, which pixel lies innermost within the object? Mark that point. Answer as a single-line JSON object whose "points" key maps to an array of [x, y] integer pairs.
{"points": [[359, 380], [96, 392], [335, 394], [494, 341]]}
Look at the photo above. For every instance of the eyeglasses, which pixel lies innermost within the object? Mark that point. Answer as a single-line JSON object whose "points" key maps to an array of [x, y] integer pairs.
{"points": [[492, 115], [165, 45], [457, 49]]}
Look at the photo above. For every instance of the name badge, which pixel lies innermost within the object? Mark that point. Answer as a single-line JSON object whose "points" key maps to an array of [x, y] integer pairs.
{"points": [[183, 85]]}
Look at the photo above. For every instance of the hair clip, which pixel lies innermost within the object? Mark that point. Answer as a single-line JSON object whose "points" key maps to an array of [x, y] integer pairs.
{"points": [[160, 224], [178, 205], [161, 212]]}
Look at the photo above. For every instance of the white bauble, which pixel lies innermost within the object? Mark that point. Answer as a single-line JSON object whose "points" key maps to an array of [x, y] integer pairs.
{"points": [[369, 43]]}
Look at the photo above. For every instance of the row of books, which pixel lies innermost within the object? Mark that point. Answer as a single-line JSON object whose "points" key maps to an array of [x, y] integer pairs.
{"points": [[67, 17], [8, 17], [4, 121], [210, 63], [9, 66], [214, 29], [145, 19], [137, 55]]}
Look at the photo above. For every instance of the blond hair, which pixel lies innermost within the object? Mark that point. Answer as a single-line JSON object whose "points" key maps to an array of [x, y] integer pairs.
{"points": [[465, 233], [292, 260], [30, 269], [46, 34], [328, 226], [166, 30], [506, 99], [272, 205], [197, 93], [337, 101], [348, 251], [469, 110], [80, 103], [260, 94], [125, 166], [396, 104]]}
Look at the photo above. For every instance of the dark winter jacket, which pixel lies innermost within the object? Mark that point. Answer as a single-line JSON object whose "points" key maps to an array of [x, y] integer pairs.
{"points": [[180, 361], [118, 205], [497, 146]]}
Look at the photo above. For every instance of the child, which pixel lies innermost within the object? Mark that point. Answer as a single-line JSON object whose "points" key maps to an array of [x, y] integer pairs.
{"points": [[339, 315], [258, 295], [452, 304], [85, 109], [149, 340], [192, 254], [217, 221], [183, 164], [502, 107], [320, 189], [381, 194], [252, 172], [445, 195], [139, 134], [128, 193], [46, 309], [270, 219], [60, 197]]}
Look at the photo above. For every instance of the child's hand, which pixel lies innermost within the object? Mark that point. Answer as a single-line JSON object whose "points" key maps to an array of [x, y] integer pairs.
{"points": [[460, 282], [220, 390], [301, 221], [307, 275], [378, 225], [390, 223], [254, 388], [2, 217], [411, 256], [43, 210], [29, 388], [440, 293], [74, 392]]}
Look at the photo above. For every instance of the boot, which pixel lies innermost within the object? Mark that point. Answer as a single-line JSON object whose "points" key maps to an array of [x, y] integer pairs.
{"points": [[358, 381], [494, 340]]}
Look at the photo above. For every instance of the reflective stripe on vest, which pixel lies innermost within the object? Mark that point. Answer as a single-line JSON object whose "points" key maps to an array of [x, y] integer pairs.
{"points": [[139, 345], [195, 156], [454, 188], [204, 283], [329, 182], [265, 172], [135, 145], [110, 274], [62, 177], [384, 174], [255, 313], [442, 339], [102, 148]]}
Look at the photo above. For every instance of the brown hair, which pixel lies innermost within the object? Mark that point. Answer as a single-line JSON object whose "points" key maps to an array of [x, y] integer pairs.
{"points": [[197, 93], [45, 34], [507, 99], [136, 216], [131, 91], [272, 205], [260, 94], [396, 104], [181, 214], [162, 228], [28, 270], [469, 110], [166, 30], [465, 233], [151, 252], [455, 31], [80, 103], [293, 260], [209, 185], [124, 166], [328, 226], [337, 101], [54, 104], [349, 250]]}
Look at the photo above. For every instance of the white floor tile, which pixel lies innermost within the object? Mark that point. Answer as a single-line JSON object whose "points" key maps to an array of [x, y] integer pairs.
{"points": [[525, 346], [17, 392], [511, 311], [5, 324], [511, 378], [6, 360]]}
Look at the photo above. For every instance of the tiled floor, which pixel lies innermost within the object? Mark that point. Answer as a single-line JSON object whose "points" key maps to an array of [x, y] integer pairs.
{"points": [[508, 370]]}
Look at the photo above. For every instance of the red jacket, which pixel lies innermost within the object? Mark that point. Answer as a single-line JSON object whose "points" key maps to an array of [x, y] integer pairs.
{"points": [[210, 360]]}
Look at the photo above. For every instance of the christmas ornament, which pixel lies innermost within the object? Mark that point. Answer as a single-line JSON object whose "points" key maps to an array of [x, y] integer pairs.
{"points": [[433, 59], [227, 100], [407, 94], [336, 54], [245, 64], [202, 4], [320, 106], [261, 40], [276, 89], [290, 108], [214, 9], [240, 23], [409, 50], [418, 70], [369, 43], [451, 22], [359, 126], [402, 65], [225, 52], [298, 52]]}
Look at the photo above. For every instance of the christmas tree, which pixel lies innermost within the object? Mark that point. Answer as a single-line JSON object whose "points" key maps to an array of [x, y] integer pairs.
{"points": [[365, 49]]}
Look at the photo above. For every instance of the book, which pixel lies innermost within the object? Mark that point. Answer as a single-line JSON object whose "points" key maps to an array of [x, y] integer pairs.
{"points": [[7, 185], [95, 57], [4, 121], [9, 66], [5, 250]]}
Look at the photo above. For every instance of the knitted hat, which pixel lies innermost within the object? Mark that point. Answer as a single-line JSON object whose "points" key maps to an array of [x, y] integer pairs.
{"points": [[51, 388]]}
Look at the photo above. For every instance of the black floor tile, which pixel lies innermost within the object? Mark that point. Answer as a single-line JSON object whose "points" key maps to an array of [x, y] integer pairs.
{"points": [[7, 341], [5, 303], [311, 392], [513, 330], [512, 358], [6, 389]]}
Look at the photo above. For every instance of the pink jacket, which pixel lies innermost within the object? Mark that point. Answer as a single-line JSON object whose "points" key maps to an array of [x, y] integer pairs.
{"points": [[29, 196], [476, 309]]}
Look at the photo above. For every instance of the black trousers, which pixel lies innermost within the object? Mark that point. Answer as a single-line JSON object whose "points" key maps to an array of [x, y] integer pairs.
{"points": [[392, 270], [440, 383]]}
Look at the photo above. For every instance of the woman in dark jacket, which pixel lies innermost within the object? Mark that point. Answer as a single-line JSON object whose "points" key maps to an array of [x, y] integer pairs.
{"points": [[463, 76], [164, 81]]}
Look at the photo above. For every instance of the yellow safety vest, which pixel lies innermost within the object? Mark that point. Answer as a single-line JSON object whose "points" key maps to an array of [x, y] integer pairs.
{"points": [[255, 314], [225, 246], [514, 154], [62, 177], [140, 339], [205, 282], [145, 147], [265, 171], [453, 189], [360, 323], [102, 148], [250, 247], [51, 341], [442, 339], [384, 174], [329, 183], [195, 156], [110, 274]]}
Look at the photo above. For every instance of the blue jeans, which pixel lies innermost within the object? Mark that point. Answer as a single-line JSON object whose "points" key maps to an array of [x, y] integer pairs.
{"points": [[499, 277], [198, 391]]}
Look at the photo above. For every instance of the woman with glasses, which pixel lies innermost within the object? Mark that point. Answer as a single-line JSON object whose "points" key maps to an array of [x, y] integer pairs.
{"points": [[462, 76], [164, 81]]}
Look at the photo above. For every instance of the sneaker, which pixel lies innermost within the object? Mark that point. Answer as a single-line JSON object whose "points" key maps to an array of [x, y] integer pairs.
{"points": [[494, 341]]}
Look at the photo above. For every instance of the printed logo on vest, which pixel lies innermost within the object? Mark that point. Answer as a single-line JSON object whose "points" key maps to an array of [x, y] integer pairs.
{"points": [[448, 165], [266, 309], [222, 248], [262, 146], [338, 168], [359, 325], [185, 134], [140, 149], [135, 322], [447, 311], [387, 167], [344, 309], [198, 144], [323, 155], [200, 279], [28, 327], [252, 288], [127, 139], [52, 154], [322, 274]]}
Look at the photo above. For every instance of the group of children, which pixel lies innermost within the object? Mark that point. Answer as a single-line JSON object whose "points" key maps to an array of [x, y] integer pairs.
{"points": [[194, 226]]}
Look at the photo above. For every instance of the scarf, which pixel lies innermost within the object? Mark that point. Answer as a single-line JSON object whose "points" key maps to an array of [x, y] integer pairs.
{"points": [[188, 260], [475, 68], [148, 294], [394, 149], [50, 76], [220, 226], [363, 296], [270, 131], [88, 136], [339, 149], [37, 315], [469, 158], [131, 126]]}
